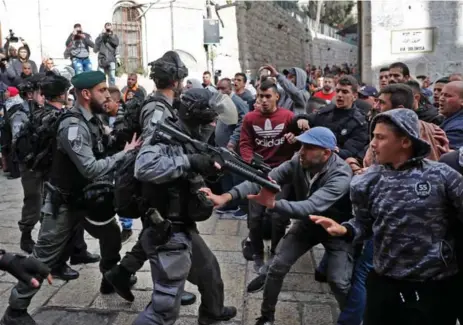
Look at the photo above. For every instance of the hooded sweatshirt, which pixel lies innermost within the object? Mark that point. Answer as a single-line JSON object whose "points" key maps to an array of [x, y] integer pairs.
{"points": [[430, 114], [408, 211], [18, 64], [427, 133], [294, 97], [195, 83]]}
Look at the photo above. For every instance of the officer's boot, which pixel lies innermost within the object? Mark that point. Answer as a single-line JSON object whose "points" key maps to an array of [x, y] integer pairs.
{"points": [[17, 317], [119, 280], [227, 314], [26, 243]]}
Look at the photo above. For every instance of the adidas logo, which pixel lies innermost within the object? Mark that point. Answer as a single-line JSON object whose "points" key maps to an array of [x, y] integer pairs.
{"points": [[269, 134]]}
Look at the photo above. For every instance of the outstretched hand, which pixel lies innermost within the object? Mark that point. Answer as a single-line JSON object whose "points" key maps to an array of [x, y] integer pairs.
{"points": [[135, 143], [331, 226], [218, 200]]}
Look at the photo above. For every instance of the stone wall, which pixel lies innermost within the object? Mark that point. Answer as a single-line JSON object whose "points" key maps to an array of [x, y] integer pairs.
{"points": [[268, 33], [445, 16]]}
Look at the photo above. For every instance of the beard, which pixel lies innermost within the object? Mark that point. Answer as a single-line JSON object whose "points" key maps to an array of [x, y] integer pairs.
{"points": [[326, 88], [96, 107], [314, 165]]}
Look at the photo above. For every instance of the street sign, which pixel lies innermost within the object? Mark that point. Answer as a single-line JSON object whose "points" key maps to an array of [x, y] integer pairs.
{"points": [[211, 31], [412, 41]]}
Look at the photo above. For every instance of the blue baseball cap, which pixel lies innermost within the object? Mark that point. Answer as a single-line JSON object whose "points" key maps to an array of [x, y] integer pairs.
{"points": [[319, 136], [368, 91]]}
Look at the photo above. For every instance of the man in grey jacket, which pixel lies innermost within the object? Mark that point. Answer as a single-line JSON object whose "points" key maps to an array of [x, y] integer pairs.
{"points": [[321, 182], [294, 95], [106, 46]]}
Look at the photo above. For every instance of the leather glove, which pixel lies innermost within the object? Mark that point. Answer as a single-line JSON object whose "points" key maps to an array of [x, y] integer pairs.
{"points": [[202, 164], [23, 268]]}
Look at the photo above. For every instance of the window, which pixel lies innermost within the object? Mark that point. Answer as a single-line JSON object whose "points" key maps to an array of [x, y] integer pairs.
{"points": [[128, 28]]}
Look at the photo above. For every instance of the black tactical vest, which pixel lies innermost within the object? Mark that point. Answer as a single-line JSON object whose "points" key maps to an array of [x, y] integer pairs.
{"points": [[64, 174]]}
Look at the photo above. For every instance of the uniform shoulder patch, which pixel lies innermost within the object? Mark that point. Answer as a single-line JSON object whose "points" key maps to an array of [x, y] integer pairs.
{"points": [[72, 132]]}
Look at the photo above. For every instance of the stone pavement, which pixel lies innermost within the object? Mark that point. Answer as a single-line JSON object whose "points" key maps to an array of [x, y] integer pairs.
{"points": [[302, 302]]}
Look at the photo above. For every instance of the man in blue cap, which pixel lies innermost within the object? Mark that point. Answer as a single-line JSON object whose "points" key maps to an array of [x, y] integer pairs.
{"points": [[321, 182]]}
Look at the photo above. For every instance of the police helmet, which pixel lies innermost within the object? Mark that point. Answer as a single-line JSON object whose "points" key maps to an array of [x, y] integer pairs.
{"points": [[168, 67], [25, 87], [36, 79], [201, 106], [54, 85]]}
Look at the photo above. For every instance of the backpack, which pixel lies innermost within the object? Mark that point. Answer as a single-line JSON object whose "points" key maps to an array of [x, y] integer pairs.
{"points": [[7, 134], [128, 200], [36, 141]]}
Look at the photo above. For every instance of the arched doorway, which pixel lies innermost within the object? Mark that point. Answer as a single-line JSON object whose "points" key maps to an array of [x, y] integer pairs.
{"points": [[127, 26]]}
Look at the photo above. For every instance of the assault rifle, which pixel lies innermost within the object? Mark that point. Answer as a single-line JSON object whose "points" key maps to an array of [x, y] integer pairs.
{"points": [[255, 172]]}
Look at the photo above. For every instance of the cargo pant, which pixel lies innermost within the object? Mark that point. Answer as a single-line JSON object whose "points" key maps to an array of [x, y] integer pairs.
{"points": [[57, 237], [32, 183], [185, 256], [299, 240]]}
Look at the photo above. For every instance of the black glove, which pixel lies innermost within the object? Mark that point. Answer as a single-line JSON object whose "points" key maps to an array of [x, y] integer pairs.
{"points": [[202, 164], [24, 268]]}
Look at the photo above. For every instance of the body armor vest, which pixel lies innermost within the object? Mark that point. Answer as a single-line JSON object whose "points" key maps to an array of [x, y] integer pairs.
{"points": [[64, 174]]}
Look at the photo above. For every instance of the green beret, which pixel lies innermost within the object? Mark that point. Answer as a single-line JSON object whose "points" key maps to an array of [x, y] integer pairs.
{"points": [[88, 80]]}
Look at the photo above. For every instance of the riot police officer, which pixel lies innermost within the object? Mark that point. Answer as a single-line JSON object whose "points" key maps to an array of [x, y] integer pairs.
{"points": [[171, 176], [168, 73], [75, 189], [54, 89]]}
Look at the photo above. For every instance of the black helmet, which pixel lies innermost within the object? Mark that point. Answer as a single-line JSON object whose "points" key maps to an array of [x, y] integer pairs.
{"points": [[53, 85], [36, 79], [201, 107], [168, 67]]}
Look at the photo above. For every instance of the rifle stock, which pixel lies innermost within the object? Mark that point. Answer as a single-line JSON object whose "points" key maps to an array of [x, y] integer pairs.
{"points": [[255, 172]]}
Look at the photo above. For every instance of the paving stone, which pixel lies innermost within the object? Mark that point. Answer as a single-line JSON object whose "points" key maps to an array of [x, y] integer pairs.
{"points": [[286, 313], [5, 289], [317, 315], [229, 257], [227, 227], [321, 298], [44, 294], [85, 318], [113, 302], [301, 282], [222, 243], [49, 316], [80, 292], [124, 319], [243, 231], [144, 282], [207, 227], [10, 235]]}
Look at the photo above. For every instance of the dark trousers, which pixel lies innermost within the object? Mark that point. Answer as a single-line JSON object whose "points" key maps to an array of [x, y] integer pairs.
{"points": [[256, 217], [397, 302], [57, 236], [185, 256], [13, 166], [32, 183], [300, 239]]}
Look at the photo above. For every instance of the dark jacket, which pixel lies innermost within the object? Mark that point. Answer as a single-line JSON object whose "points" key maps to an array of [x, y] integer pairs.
{"points": [[106, 45], [349, 125], [453, 127], [430, 114], [328, 195], [79, 48]]}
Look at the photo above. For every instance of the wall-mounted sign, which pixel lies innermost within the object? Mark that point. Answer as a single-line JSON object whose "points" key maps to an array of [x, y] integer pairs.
{"points": [[412, 41], [211, 31]]}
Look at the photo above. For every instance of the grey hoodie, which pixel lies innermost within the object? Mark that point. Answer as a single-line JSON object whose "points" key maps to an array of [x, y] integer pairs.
{"points": [[195, 83], [295, 97], [408, 211]]}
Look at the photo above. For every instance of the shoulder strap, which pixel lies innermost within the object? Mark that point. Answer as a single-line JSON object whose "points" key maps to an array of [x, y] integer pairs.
{"points": [[156, 98]]}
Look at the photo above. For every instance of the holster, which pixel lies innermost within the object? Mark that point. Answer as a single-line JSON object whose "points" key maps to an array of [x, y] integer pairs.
{"points": [[57, 198], [162, 227]]}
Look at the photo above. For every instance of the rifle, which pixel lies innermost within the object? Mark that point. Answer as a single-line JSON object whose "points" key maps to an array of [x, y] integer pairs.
{"points": [[255, 172]]}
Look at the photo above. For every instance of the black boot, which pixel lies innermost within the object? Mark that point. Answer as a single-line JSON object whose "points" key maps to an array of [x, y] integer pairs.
{"points": [[227, 314], [64, 272], [119, 279], [107, 288], [26, 243], [85, 258], [188, 298], [17, 317]]}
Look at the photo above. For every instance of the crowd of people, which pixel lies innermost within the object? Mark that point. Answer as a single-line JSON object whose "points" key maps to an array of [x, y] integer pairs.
{"points": [[372, 175]]}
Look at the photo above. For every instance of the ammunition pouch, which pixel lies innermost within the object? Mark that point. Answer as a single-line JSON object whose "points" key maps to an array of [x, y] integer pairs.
{"points": [[162, 228]]}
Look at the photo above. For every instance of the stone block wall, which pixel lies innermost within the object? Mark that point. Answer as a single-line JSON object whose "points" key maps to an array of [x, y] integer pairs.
{"points": [[268, 33], [444, 16]]}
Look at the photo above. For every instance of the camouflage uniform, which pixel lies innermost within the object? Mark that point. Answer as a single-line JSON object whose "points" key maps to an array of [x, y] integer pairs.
{"points": [[409, 212]]}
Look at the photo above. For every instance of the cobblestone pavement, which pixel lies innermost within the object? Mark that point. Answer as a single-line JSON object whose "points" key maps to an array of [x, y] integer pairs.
{"points": [[302, 302]]}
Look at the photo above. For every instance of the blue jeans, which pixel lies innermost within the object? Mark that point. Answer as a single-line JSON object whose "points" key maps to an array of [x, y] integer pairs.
{"points": [[111, 72], [353, 311], [126, 223], [81, 65]]}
